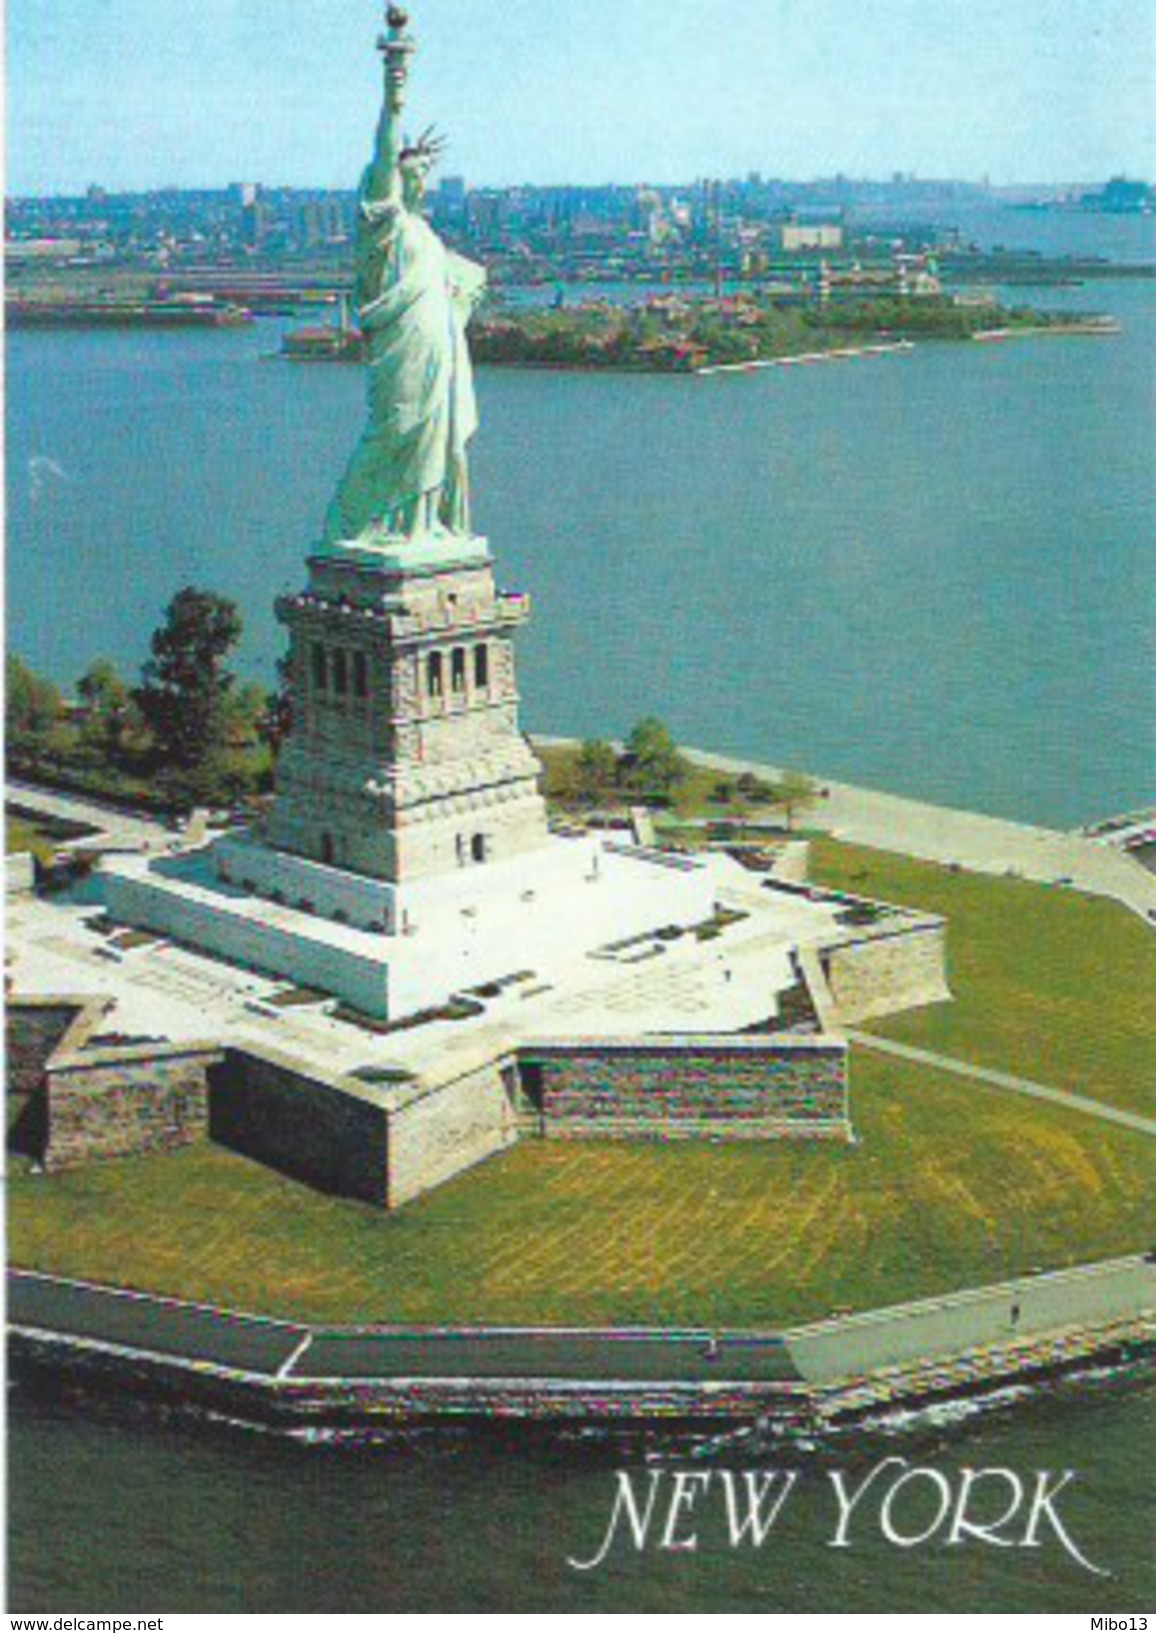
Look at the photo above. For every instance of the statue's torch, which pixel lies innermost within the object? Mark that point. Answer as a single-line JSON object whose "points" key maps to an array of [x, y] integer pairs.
{"points": [[396, 47]]}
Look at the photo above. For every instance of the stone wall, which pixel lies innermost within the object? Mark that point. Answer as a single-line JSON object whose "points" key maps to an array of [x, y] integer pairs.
{"points": [[36, 1028], [886, 971], [689, 1087], [445, 1128], [125, 1102], [327, 1132], [380, 1144], [390, 1144]]}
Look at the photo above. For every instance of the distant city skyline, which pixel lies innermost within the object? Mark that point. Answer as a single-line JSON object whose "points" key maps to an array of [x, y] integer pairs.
{"points": [[139, 94]]}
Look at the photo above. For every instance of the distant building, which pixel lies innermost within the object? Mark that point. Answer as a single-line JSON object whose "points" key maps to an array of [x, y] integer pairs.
{"points": [[796, 236], [18, 250], [916, 275], [256, 220], [317, 221], [1121, 197]]}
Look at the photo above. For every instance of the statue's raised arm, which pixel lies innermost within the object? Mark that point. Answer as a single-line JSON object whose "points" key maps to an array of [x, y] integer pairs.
{"points": [[383, 178], [408, 477]]}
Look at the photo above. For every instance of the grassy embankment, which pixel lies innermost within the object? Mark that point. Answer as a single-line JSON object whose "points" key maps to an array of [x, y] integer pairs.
{"points": [[20, 834], [1049, 984], [951, 1183]]}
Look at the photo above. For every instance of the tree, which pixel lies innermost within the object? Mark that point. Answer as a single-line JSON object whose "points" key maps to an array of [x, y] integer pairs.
{"points": [[595, 770], [795, 793], [185, 684], [276, 723], [32, 704], [244, 713], [652, 758], [752, 787], [108, 706]]}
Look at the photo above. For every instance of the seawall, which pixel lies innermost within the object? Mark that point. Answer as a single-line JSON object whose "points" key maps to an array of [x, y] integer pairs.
{"points": [[824, 1376]]}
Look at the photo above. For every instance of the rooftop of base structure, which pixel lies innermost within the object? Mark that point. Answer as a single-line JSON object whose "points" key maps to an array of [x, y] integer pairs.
{"points": [[594, 882], [690, 987]]}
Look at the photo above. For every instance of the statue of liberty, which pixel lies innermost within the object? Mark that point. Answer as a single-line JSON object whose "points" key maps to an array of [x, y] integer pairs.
{"points": [[409, 475]]}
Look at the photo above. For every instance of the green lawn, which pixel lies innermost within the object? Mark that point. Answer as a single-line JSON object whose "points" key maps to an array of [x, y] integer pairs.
{"points": [[1048, 984], [22, 835], [695, 797], [951, 1183]]}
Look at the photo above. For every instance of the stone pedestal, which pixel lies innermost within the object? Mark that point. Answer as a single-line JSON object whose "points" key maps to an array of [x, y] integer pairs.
{"points": [[406, 759], [407, 856]]}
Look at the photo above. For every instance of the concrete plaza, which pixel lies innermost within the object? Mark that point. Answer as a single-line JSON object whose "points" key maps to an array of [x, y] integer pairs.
{"points": [[572, 984]]}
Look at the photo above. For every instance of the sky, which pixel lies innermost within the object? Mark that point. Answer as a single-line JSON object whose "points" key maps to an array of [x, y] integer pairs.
{"points": [[136, 94]]}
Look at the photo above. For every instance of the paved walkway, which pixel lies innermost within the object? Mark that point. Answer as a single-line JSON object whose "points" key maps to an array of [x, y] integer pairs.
{"points": [[984, 844], [112, 826], [841, 1348], [1004, 1080], [297, 1353], [1030, 1307], [148, 1325]]}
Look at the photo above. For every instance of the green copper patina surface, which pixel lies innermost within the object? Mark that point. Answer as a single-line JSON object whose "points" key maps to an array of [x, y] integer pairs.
{"points": [[409, 475]]}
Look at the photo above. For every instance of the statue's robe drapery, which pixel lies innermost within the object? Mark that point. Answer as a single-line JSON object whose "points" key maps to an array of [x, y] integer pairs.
{"points": [[409, 472]]}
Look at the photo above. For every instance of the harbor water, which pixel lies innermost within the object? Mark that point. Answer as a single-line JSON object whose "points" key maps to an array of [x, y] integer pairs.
{"points": [[928, 572], [111, 1511]]}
